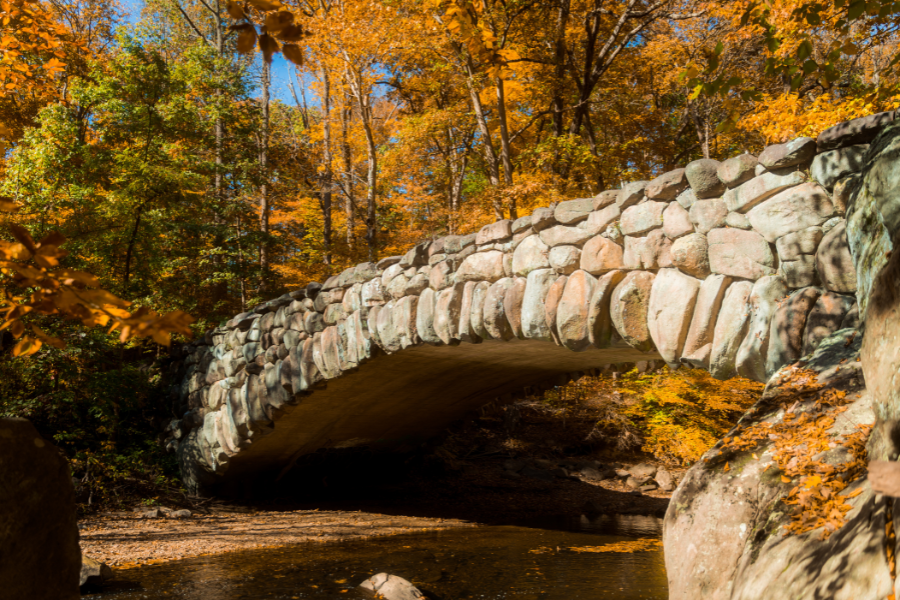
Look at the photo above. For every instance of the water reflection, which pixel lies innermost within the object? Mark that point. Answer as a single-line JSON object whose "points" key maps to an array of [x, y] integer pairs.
{"points": [[487, 563]]}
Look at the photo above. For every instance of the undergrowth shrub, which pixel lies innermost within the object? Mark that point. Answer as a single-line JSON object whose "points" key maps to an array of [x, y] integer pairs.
{"points": [[674, 415], [101, 403]]}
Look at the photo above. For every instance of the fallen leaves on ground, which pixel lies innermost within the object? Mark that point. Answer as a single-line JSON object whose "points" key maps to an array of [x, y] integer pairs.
{"points": [[641, 545], [130, 541]]}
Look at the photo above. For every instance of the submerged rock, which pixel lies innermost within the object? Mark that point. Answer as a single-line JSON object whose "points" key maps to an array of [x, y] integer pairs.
{"points": [[391, 587]]}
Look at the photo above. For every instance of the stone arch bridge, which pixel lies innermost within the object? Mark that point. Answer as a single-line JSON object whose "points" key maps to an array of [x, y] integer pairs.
{"points": [[738, 267]]}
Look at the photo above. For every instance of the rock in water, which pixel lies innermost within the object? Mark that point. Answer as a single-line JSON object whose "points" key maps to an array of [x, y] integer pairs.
{"points": [[39, 553], [391, 587], [93, 572]]}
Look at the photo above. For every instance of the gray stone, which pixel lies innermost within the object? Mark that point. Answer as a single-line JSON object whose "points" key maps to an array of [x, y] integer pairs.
{"points": [[604, 199], [476, 316], [698, 343], [731, 327], [631, 194], [554, 296], [676, 221], [834, 262], [38, 531], [391, 587], [532, 253], [599, 220], [425, 317], [760, 188], [95, 573], [542, 218], [481, 266], [447, 311], [642, 218], [395, 289], [739, 253], [390, 273], [629, 305], [788, 154], [828, 167], [787, 328], [573, 211], [495, 232], [534, 321], [686, 198], [418, 284], [799, 273], [672, 299], [690, 254], [701, 176], [844, 191], [735, 171], [824, 319], [466, 331], [573, 311], [667, 186], [494, 316], [857, 131], [512, 303], [521, 224], [708, 214], [559, 235], [664, 480], [600, 255], [440, 276], [738, 221], [565, 259], [793, 245], [600, 326], [764, 299]]}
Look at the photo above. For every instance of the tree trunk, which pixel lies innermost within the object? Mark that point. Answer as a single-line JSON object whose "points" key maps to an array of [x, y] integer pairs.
{"points": [[372, 156], [264, 188], [325, 188], [504, 144], [347, 158]]}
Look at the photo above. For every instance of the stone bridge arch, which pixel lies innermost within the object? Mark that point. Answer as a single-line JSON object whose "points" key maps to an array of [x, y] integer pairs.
{"points": [[738, 267]]}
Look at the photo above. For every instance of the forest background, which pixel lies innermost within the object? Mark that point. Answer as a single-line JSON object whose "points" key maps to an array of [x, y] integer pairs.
{"points": [[148, 137]]}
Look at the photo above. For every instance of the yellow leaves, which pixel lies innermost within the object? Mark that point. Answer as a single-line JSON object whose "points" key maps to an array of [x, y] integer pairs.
{"points": [[7, 204], [639, 545], [26, 347], [235, 10]]}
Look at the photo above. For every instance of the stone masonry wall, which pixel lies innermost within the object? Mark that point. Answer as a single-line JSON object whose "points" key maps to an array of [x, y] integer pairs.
{"points": [[739, 267]]}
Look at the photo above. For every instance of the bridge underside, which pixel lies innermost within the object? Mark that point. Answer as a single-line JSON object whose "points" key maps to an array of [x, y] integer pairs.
{"points": [[395, 402]]}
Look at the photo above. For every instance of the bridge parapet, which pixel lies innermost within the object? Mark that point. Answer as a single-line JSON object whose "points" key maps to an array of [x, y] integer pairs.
{"points": [[739, 267]]}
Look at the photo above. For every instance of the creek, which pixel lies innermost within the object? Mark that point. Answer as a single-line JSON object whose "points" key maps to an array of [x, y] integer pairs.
{"points": [[549, 560]]}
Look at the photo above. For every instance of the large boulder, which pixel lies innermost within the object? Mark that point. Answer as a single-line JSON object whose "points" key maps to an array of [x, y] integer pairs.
{"points": [[667, 186], [731, 327], [573, 311], [787, 328], [788, 154], [795, 209], [828, 167], [690, 254], [764, 299], [834, 262], [629, 305], [39, 552], [726, 531], [698, 344], [739, 253], [642, 218], [672, 300], [531, 253], [701, 176], [735, 171]]}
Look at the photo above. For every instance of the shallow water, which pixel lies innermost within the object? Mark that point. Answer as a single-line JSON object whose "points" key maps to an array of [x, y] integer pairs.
{"points": [[484, 563]]}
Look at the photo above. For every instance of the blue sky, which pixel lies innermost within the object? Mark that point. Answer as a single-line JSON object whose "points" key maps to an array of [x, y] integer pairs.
{"points": [[281, 69]]}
